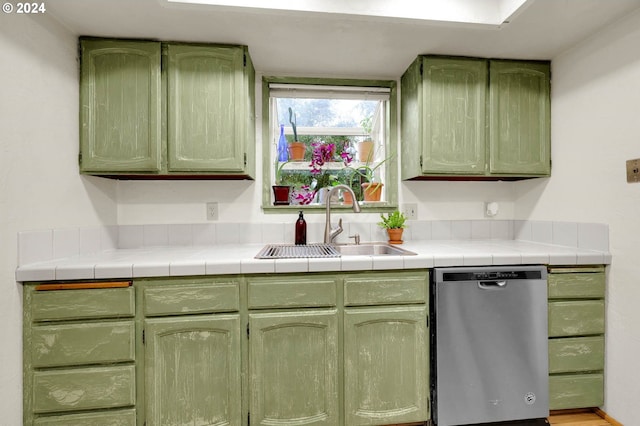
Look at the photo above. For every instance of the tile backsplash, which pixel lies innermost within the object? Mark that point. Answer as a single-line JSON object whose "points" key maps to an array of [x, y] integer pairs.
{"points": [[44, 245]]}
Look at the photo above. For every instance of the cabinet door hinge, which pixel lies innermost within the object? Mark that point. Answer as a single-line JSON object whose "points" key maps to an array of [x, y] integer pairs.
{"points": [[244, 60], [421, 161], [245, 159], [143, 338], [80, 158], [427, 321], [248, 418], [421, 68], [247, 330]]}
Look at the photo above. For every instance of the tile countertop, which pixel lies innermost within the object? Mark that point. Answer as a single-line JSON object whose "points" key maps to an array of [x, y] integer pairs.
{"points": [[239, 259]]}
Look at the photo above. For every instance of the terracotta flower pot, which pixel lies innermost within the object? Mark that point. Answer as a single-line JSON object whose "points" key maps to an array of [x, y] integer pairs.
{"points": [[372, 191], [347, 199], [297, 151], [395, 235], [281, 195], [365, 149]]}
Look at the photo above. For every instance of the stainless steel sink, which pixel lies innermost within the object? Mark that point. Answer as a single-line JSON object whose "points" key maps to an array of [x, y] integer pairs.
{"points": [[291, 251], [372, 249]]}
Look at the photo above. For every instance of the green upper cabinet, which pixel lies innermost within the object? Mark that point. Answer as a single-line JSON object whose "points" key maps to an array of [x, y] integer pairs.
{"points": [[181, 110], [520, 117], [120, 106], [475, 118], [206, 120]]}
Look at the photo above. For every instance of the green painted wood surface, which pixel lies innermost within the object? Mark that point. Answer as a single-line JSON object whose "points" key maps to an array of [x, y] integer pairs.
{"points": [[454, 115], [105, 418], [576, 354], [193, 370], [120, 106], [87, 343], [83, 388], [55, 305], [293, 358], [576, 391], [206, 119], [520, 132], [386, 288], [576, 285], [411, 124], [290, 292], [576, 318], [187, 298], [386, 368]]}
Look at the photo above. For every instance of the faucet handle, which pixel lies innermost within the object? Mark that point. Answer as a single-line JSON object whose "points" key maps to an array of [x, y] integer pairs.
{"points": [[356, 237]]}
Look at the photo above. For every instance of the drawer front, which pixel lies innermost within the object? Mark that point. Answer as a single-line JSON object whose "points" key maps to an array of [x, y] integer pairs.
{"points": [[576, 286], [54, 305], [576, 391], [289, 292], [576, 318], [191, 298], [83, 389], [76, 344], [110, 418], [576, 354], [385, 289]]}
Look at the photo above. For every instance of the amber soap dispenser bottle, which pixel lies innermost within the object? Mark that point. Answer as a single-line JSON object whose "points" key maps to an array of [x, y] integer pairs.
{"points": [[301, 230]]}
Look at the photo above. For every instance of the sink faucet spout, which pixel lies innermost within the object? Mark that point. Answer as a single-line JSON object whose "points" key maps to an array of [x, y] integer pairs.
{"points": [[330, 233]]}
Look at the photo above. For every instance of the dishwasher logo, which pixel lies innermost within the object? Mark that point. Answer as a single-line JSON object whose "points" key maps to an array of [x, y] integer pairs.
{"points": [[530, 398]]}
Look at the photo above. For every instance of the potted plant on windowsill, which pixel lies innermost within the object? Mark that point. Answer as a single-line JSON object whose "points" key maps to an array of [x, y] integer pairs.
{"points": [[394, 223], [281, 192], [297, 149], [371, 189]]}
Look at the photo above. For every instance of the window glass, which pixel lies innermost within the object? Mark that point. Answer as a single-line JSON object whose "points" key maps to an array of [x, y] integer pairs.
{"points": [[323, 136]]}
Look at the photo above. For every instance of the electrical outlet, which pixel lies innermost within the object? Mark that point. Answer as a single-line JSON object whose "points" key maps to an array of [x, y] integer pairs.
{"points": [[633, 170], [212, 210], [410, 211]]}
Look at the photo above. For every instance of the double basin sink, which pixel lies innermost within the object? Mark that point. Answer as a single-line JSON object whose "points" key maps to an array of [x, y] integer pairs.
{"points": [[288, 251]]}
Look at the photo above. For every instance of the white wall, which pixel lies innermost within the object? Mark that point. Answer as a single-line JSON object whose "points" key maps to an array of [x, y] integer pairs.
{"points": [[595, 129], [39, 182]]}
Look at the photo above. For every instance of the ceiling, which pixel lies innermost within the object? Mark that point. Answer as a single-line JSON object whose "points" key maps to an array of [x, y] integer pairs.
{"points": [[299, 43]]}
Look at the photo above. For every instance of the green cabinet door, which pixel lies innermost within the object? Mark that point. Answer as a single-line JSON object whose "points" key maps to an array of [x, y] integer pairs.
{"points": [[120, 118], [193, 370], [386, 365], [454, 116], [293, 358], [520, 117], [206, 130]]}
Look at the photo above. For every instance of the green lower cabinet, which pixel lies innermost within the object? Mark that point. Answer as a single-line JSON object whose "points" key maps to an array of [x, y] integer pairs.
{"points": [[193, 371], [576, 337], [293, 359], [107, 418], [386, 365]]}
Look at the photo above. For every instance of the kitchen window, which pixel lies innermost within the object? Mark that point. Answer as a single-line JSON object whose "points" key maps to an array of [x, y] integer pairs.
{"points": [[319, 133]]}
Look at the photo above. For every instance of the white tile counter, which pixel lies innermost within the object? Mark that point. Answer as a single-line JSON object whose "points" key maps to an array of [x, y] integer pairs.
{"points": [[239, 259]]}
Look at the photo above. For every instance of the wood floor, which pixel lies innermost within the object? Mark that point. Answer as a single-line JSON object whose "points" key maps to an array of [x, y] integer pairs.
{"points": [[579, 418]]}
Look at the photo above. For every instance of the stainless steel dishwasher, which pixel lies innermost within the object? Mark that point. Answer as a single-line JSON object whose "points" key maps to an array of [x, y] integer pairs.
{"points": [[489, 345]]}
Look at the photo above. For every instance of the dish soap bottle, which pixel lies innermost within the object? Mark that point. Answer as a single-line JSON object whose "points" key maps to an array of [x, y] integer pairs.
{"points": [[301, 230]]}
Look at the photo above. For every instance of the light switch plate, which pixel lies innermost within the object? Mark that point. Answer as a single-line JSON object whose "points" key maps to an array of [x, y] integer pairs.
{"points": [[633, 170]]}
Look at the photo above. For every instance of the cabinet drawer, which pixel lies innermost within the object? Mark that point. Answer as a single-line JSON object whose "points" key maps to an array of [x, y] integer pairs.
{"points": [[576, 391], [385, 289], [289, 292], [83, 389], [110, 418], [54, 305], [576, 285], [89, 343], [576, 354], [191, 298], [576, 318]]}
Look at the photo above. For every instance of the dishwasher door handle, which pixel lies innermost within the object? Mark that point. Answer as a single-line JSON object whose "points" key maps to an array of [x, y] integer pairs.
{"points": [[492, 285]]}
